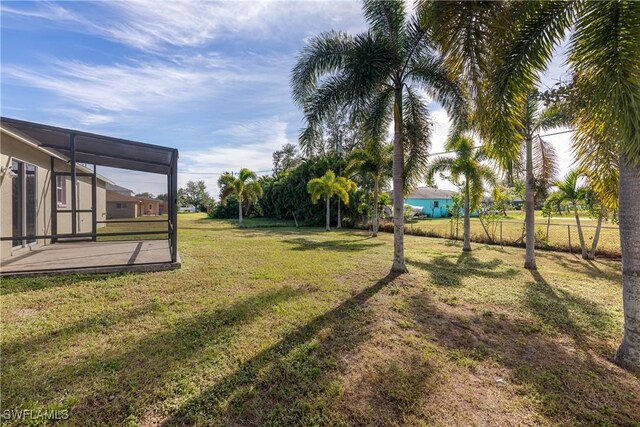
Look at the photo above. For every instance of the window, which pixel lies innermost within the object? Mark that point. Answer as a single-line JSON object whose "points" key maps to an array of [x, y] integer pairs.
{"points": [[436, 204], [61, 191], [121, 206]]}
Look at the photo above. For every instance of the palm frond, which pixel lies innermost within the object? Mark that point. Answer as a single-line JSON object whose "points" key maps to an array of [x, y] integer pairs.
{"points": [[429, 72], [545, 161], [438, 165], [605, 55], [385, 18], [417, 129], [322, 55]]}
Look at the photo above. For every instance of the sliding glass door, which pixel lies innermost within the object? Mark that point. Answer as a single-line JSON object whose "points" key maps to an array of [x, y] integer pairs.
{"points": [[24, 202]]}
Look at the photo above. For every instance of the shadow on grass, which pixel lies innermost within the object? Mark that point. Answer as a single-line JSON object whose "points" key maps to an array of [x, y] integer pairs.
{"points": [[563, 312], [569, 385], [26, 284], [130, 377], [575, 263], [445, 272], [338, 245], [286, 384]]}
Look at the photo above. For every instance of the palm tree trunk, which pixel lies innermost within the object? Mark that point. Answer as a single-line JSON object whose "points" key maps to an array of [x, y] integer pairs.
{"points": [[240, 213], [374, 220], [628, 354], [583, 246], [596, 237], [466, 246], [548, 224], [530, 224], [398, 265], [339, 224], [328, 212]]}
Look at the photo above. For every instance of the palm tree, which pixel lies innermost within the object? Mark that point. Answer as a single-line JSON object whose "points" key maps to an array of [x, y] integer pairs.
{"points": [[604, 55], [327, 186], [374, 161], [245, 187], [467, 163], [570, 192], [540, 160], [380, 72]]}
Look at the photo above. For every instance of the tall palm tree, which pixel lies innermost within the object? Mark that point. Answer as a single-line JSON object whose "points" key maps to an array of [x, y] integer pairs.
{"points": [[245, 187], [570, 192], [381, 72], [468, 163], [374, 161], [328, 186], [539, 157], [604, 55]]}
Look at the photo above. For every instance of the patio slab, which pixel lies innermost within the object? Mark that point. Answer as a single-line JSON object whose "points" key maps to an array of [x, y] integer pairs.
{"points": [[91, 257]]}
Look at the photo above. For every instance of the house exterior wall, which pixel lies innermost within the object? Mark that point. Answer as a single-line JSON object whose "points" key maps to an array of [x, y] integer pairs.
{"points": [[149, 208], [83, 192], [428, 206], [126, 210], [12, 148]]}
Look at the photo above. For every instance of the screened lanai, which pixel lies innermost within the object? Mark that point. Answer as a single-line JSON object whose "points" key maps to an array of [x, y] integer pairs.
{"points": [[60, 241]]}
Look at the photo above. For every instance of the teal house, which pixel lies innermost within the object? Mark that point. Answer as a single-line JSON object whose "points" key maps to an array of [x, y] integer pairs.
{"points": [[434, 202]]}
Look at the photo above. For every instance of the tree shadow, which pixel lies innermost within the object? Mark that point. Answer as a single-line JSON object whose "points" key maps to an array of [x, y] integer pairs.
{"points": [[447, 273], [282, 384], [563, 312], [13, 350], [14, 285], [575, 264], [338, 245], [135, 376], [567, 385]]}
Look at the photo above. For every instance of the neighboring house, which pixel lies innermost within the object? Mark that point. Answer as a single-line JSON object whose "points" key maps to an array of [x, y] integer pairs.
{"points": [[123, 205], [118, 189], [517, 203], [434, 202], [26, 193]]}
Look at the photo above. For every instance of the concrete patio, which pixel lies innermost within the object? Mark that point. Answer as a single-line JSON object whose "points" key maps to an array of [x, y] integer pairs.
{"points": [[91, 257]]}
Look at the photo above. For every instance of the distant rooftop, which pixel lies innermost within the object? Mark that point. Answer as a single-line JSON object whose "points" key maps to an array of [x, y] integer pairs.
{"points": [[430, 193]]}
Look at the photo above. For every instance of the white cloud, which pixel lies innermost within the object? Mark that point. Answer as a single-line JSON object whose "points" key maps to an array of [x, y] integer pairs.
{"points": [[151, 26], [241, 145], [98, 94]]}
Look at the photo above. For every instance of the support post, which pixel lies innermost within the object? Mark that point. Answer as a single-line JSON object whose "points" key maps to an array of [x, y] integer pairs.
{"points": [[94, 200], [54, 200], [174, 207], [74, 184]]}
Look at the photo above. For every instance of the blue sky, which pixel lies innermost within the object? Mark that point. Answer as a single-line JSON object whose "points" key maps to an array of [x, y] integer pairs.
{"points": [[209, 78]]}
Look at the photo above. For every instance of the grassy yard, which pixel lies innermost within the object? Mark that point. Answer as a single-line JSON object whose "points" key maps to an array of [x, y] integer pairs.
{"points": [[286, 326], [512, 229]]}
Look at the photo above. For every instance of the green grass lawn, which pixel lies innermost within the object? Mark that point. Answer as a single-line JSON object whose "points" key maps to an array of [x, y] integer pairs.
{"points": [[286, 326], [512, 229]]}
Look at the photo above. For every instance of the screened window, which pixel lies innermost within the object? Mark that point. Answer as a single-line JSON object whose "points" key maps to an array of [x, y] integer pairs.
{"points": [[61, 191], [121, 206], [436, 204]]}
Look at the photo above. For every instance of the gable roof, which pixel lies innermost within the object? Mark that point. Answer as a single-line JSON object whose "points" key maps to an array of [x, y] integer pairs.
{"points": [[114, 196], [430, 193], [118, 188]]}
